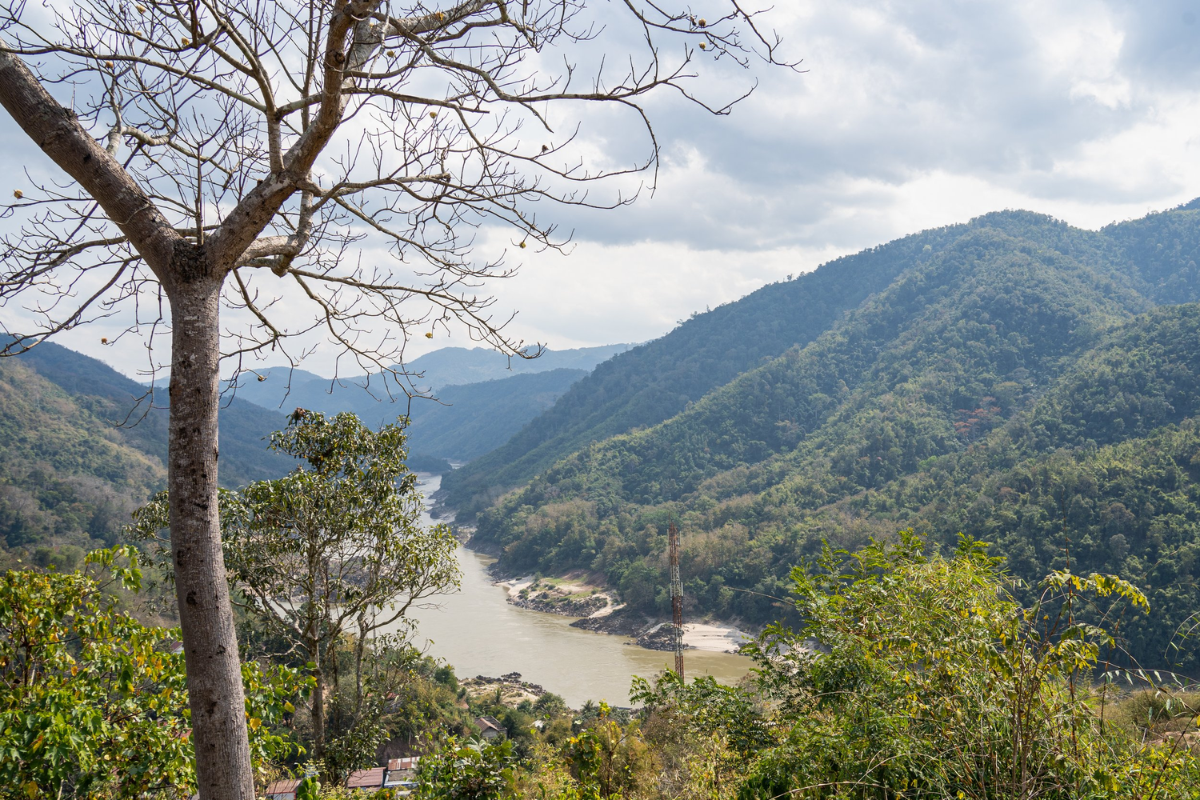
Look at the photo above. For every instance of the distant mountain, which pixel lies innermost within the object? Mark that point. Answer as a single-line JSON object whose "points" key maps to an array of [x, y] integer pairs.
{"points": [[456, 366], [467, 421], [481, 399], [1013, 380], [117, 400], [280, 388]]}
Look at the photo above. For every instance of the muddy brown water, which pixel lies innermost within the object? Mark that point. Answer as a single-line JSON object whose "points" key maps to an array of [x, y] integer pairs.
{"points": [[479, 632]]}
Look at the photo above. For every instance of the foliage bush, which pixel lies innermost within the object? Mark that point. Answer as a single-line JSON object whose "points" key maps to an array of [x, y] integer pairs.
{"points": [[93, 703]]}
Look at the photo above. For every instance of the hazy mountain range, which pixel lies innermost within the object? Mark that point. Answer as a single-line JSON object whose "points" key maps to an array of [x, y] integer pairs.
{"points": [[81, 445]]}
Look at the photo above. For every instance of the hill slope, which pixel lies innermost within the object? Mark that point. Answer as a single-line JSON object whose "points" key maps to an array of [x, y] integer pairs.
{"points": [[78, 453], [657, 380], [1008, 385], [113, 399], [68, 478]]}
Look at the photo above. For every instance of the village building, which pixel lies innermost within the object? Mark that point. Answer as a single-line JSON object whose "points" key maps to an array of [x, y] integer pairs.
{"points": [[489, 727], [283, 790], [399, 774]]}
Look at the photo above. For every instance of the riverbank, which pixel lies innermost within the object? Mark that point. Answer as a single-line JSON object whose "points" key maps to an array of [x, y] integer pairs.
{"points": [[593, 606], [479, 633], [596, 609], [568, 596]]}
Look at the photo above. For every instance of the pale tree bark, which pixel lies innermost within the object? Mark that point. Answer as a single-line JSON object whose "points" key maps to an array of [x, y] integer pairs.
{"points": [[215, 693], [318, 699], [226, 195]]}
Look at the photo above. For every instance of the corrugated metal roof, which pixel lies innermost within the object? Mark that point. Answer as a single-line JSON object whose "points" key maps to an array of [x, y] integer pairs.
{"points": [[366, 779], [287, 786]]}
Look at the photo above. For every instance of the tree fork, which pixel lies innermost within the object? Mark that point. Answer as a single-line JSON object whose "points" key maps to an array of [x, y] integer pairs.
{"points": [[215, 694]]}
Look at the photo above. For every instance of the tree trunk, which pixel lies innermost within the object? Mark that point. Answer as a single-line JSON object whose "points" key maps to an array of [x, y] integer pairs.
{"points": [[318, 701], [214, 675]]}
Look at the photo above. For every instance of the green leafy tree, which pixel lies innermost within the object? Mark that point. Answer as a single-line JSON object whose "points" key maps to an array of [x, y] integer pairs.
{"points": [[923, 677], [471, 770], [93, 703], [333, 549]]}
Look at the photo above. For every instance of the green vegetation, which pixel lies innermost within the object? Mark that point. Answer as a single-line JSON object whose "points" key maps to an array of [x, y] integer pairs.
{"points": [[339, 540], [913, 676], [78, 453], [69, 482], [910, 675], [93, 703], [1009, 385]]}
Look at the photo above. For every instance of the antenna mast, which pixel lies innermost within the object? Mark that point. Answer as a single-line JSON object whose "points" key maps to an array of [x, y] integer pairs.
{"points": [[676, 598]]}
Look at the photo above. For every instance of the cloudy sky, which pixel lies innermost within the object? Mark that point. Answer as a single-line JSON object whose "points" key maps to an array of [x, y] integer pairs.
{"points": [[908, 116]]}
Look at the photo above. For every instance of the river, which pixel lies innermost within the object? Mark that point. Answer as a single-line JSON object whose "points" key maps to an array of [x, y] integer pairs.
{"points": [[478, 632]]}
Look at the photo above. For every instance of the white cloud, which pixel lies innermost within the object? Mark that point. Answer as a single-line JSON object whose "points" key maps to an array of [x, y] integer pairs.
{"points": [[909, 116]]}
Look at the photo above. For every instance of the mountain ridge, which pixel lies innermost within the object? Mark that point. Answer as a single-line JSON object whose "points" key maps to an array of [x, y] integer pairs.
{"points": [[1003, 329], [656, 380]]}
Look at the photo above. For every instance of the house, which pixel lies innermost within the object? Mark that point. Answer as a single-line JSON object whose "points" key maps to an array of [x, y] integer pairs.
{"points": [[283, 790], [400, 768], [369, 780], [400, 774], [489, 727]]}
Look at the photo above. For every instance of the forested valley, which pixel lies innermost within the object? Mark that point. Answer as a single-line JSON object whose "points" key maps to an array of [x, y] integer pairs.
{"points": [[1016, 380]]}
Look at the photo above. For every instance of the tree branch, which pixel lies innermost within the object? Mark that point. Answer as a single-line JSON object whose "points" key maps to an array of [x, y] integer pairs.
{"points": [[57, 131]]}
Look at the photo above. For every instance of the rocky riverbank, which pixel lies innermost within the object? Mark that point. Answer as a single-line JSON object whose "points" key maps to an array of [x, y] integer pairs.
{"points": [[619, 622], [512, 689], [567, 597], [596, 609]]}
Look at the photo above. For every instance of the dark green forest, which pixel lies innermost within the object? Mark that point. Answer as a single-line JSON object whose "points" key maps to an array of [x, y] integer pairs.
{"points": [[82, 446], [1018, 380], [658, 380]]}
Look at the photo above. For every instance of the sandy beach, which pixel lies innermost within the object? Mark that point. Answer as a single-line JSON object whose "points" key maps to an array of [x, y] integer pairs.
{"points": [[714, 638]]}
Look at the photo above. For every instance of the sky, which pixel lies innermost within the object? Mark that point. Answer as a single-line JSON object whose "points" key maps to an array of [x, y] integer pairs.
{"points": [[906, 116]]}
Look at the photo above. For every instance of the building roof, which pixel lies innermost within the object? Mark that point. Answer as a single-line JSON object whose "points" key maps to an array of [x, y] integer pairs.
{"points": [[489, 723], [287, 786], [366, 779]]}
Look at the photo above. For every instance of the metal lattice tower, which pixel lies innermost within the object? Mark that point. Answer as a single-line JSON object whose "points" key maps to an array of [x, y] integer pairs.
{"points": [[676, 598]]}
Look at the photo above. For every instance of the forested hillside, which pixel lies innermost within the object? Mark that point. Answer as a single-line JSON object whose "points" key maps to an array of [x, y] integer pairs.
{"points": [[1008, 384], [657, 380], [66, 479], [79, 452]]}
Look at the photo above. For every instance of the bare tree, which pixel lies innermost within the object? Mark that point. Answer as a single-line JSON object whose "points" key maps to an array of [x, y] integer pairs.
{"points": [[259, 153]]}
